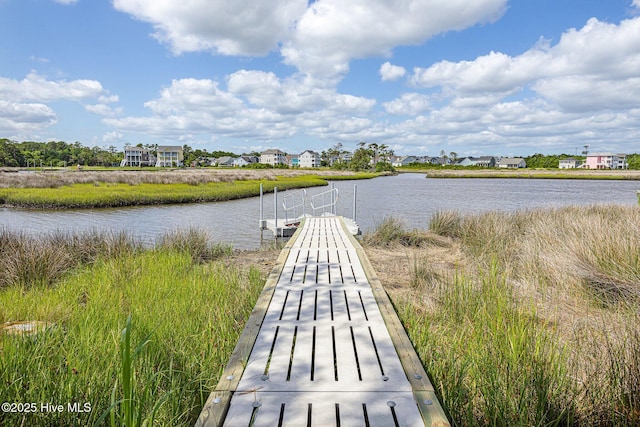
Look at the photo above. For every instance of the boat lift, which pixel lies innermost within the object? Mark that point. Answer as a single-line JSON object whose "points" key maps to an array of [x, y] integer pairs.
{"points": [[294, 207]]}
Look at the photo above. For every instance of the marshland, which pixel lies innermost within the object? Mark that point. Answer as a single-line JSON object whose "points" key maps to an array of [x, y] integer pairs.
{"points": [[98, 189], [522, 315]]}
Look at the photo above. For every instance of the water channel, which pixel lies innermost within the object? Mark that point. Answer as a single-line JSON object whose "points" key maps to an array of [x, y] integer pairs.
{"points": [[410, 197]]}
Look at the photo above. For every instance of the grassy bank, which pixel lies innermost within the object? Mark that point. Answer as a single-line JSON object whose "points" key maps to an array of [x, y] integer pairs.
{"points": [[187, 307], [529, 318], [114, 189], [462, 172]]}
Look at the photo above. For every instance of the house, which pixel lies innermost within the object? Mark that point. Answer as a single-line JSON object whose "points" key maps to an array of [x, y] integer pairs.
{"points": [[137, 156], [483, 161], [273, 157], [403, 161], [292, 160], [225, 162], [442, 161], [169, 156], [309, 159], [244, 161], [606, 161], [569, 163], [512, 163]]}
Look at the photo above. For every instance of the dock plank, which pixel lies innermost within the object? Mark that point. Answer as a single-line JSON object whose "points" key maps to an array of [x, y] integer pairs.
{"points": [[328, 350]]}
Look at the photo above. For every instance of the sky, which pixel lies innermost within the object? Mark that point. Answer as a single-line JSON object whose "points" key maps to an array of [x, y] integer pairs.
{"points": [[474, 77]]}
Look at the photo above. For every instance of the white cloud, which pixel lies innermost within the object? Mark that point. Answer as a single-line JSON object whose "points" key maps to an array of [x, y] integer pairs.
{"points": [[319, 38], [24, 118], [35, 87], [256, 105], [112, 137], [24, 107], [593, 68], [332, 32], [389, 72], [240, 27], [409, 104]]}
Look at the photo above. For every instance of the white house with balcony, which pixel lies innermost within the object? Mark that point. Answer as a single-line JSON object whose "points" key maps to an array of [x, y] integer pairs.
{"points": [[569, 163], [273, 157], [169, 156], [309, 159], [137, 157]]}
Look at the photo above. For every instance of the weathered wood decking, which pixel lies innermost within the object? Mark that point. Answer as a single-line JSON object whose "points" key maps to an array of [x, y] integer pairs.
{"points": [[323, 347]]}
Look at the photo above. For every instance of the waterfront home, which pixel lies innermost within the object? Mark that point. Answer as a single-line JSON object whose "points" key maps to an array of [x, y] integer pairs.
{"points": [[512, 163], [606, 161], [292, 160], [569, 163], [169, 156], [309, 159], [483, 161], [244, 161], [399, 161], [137, 156], [225, 162], [273, 157], [442, 161]]}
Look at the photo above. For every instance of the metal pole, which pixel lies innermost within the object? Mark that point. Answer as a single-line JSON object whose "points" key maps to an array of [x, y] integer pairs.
{"points": [[275, 209], [355, 198], [333, 205], [261, 210]]}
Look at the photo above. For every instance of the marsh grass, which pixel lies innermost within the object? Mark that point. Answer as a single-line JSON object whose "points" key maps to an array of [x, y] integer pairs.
{"points": [[118, 194], [186, 315], [392, 231], [536, 322]]}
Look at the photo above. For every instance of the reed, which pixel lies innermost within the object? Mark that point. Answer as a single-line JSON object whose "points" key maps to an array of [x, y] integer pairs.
{"points": [[185, 317], [532, 319]]}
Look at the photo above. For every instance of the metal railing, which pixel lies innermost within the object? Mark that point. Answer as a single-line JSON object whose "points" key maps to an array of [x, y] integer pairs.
{"points": [[325, 203], [294, 205]]}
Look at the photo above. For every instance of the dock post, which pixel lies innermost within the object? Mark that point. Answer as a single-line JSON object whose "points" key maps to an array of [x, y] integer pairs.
{"points": [[262, 222], [355, 197], [333, 202], [275, 210]]}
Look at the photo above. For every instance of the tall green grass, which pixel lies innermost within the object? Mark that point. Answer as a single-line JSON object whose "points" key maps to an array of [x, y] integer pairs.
{"points": [[185, 314], [538, 323], [119, 194]]}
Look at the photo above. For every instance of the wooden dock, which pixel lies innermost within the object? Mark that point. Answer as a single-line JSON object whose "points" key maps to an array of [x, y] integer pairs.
{"points": [[323, 346]]}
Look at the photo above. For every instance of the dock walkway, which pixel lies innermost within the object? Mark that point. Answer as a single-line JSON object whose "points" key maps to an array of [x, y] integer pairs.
{"points": [[323, 347]]}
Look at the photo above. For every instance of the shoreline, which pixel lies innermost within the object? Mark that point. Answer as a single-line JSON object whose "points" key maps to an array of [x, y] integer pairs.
{"points": [[632, 175]]}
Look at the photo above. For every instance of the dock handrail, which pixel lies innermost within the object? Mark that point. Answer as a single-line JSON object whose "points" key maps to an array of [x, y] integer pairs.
{"points": [[322, 201], [294, 202]]}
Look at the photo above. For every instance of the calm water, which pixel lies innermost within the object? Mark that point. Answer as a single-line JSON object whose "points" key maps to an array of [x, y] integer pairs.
{"points": [[410, 197]]}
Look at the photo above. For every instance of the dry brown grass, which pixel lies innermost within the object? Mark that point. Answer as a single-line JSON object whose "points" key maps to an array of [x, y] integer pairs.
{"points": [[576, 268], [182, 176]]}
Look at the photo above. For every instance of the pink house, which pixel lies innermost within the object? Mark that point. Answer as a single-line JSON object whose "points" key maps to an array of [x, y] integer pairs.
{"points": [[606, 161]]}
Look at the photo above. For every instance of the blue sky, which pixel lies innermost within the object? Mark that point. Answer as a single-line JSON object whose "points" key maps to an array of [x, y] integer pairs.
{"points": [[475, 77]]}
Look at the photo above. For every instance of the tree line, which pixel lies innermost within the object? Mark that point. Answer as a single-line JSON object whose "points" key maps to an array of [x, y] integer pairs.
{"points": [[367, 156]]}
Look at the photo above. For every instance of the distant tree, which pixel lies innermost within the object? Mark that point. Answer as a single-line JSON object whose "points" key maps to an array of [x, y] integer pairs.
{"points": [[361, 159]]}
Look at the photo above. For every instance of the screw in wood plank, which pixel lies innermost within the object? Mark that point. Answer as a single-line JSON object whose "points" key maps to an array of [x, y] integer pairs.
{"points": [[230, 377], [417, 376], [428, 402], [217, 400]]}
